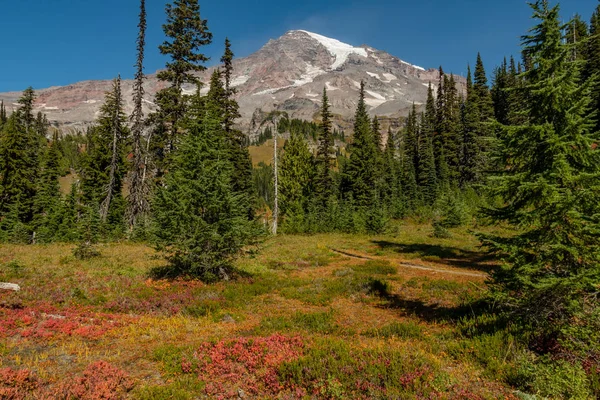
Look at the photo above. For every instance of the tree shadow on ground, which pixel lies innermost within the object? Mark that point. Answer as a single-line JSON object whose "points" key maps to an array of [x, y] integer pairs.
{"points": [[452, 256]]}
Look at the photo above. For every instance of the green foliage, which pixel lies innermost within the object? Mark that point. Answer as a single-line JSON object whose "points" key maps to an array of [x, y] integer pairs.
{"points": [[402, 330], [200, 222], [549, 182], [296, 179]]}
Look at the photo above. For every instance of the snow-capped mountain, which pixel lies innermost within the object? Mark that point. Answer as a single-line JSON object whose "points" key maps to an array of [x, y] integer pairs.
{"points": [[287, 74]]}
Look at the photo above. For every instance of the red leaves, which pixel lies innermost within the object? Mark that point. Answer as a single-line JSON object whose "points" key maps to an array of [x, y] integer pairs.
{"points": [[48, 323], [248, 364], [99, 381]]}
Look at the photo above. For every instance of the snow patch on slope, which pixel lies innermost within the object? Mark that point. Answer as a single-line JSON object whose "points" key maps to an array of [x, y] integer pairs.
{"points": [[341, 51], [376, 95], [240, 80]]}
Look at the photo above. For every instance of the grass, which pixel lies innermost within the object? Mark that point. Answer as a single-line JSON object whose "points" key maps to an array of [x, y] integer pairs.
{"points": [[264, 152], [321, 324]]}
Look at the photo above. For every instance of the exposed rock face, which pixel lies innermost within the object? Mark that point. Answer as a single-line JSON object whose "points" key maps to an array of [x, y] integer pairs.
{"points": [[287, 74]]}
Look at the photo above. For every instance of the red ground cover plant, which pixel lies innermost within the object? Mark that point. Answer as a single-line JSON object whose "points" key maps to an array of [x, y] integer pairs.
{"points": [[47, 322], [247, 364], [16, 384], [99, 381]]}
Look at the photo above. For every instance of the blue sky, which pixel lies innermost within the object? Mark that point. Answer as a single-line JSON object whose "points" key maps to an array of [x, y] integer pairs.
{"points": [[57, 42]]}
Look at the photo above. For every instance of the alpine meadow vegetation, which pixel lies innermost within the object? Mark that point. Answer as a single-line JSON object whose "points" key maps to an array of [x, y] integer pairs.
{"points": [[453, 253]]}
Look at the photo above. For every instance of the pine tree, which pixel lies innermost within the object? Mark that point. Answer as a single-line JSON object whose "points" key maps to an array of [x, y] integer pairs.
{"points": [[239, 154], [450, 128], [201, 224], [550, 185], [390, 195], [359, 176], [481, 93], [577, 34], [114, 119], [592, 67], [3, 117], [377, 135], [139, 190], [500, 94], [409, 161], [103, 165], [17, 172], [325, 160], [470, 125], [427, 178], [47, 202], [296, 180], [186, 32], [20, 144]]}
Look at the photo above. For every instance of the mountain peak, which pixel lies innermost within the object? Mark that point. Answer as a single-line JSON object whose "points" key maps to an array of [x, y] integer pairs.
{"points": [[339, 50]]}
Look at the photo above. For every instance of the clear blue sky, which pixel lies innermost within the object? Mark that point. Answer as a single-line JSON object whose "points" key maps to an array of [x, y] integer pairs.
{"points": [[57, 42]]}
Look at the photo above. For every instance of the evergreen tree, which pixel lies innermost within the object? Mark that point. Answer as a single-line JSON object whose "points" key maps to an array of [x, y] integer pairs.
{"points": [[577, 34], [103, 168], [186, 32], [239, 154], [296, 180], [3, 117], [427, 178], [47, 202], [359, 176], [114, 117], [470, 117], [550, 185], [409, 160], [325, 160], [390, 195], [17, 172], [201, 223], [592, 67], [481, 93], [139, 190], [450, 127]]}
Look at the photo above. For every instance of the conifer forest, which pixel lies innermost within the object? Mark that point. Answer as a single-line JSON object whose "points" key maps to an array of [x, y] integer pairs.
{"points": [[451, 254]]}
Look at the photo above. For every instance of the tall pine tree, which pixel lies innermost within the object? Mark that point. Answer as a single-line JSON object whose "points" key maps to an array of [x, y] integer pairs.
{"points": [[550, 185]]}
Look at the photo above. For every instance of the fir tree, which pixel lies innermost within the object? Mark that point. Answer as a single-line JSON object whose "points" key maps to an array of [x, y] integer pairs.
{"points": [[359, 176], [324, 185], [592, 67], [576, 34], [470, 152], [186, 33], [296, 180], [103, 165], [391, 189], [409, 160], [201, 224], [113, 120], [550, 186], [47, 202], [139, 190], [17, 172], [239, 154], [3, 117], [427, 178]]}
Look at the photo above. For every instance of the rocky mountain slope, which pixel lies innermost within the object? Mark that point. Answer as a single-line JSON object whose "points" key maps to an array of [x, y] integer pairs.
{"points": [[287, 74]]}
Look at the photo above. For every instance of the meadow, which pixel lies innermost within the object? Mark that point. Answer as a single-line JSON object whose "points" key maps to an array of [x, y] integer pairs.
{"points": [[328, 317]]}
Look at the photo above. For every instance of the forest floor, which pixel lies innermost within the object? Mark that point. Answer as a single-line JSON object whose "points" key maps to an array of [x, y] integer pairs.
{"points": [[325, 316]]}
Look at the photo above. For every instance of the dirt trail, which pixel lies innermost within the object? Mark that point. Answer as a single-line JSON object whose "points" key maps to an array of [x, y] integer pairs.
{"points": [[413, 266]]}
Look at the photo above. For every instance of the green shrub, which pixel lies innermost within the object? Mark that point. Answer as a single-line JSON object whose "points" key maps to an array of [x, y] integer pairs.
{"points": [[402, 330], [376, 267]]}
